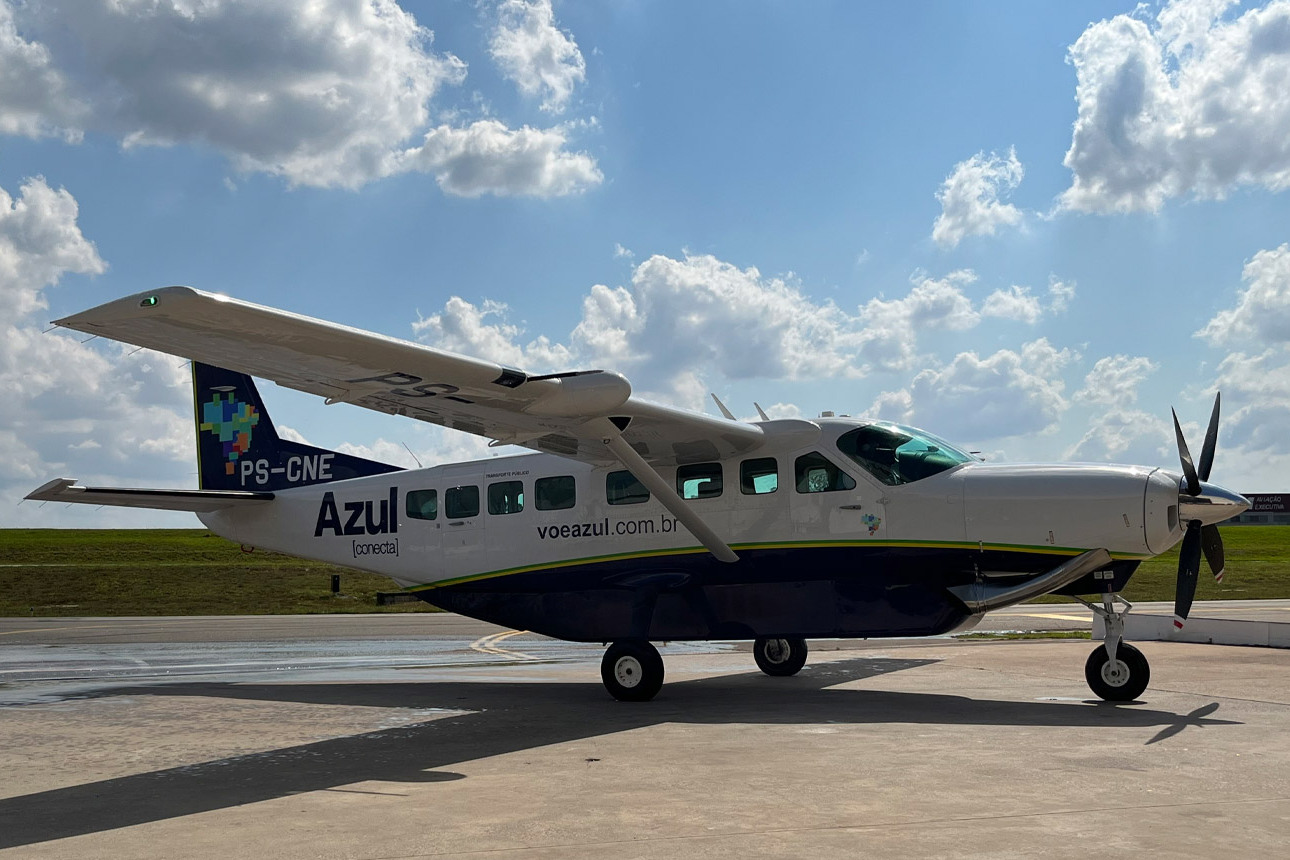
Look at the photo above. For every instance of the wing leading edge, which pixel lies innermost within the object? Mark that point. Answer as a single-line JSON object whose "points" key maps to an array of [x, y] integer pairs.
{"points": [[555, 413]]}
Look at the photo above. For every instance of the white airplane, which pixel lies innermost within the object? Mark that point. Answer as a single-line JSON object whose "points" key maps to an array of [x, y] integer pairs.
{"points": [[638, 522]]}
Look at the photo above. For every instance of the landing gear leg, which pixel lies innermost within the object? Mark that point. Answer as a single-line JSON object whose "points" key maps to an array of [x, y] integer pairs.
{"points": [[632, 671], [1115, 671]]}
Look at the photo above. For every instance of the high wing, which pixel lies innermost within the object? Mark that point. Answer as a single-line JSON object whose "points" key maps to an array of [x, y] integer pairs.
{"points": [[561, 413]]}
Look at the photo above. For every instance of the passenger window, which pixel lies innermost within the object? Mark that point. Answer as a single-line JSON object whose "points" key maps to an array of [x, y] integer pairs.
{"points": [[554, 494], [422, 504], [699, 480], [759, 476], [622, 488], [817, 474], [506, 497], [461, 503]]}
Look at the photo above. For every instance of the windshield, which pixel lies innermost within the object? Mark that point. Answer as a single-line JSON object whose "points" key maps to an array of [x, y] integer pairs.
{"points": [[895, 454]]}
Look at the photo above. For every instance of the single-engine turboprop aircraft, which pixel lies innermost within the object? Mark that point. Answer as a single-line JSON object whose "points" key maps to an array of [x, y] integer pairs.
{"points": [[636, 522]]}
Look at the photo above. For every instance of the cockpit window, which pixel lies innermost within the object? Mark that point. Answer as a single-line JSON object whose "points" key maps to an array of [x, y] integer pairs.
{"points": [[895, 454]]}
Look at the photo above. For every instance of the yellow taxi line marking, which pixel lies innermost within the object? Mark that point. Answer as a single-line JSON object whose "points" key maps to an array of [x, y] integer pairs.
{"points": [[1050, 615]]}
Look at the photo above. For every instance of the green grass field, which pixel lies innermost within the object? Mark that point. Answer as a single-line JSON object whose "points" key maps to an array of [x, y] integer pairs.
{"points": [[191, 572], [170, 572]]}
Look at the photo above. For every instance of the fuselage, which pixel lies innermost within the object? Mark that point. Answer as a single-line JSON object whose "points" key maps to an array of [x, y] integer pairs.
{"points": [[837, 534]]}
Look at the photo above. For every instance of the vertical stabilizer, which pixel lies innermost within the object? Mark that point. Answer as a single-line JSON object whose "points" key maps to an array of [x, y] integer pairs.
{"points": [[239, 449]]}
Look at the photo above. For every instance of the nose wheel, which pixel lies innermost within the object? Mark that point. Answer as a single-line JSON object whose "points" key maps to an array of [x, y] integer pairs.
{"points": [[1115, 671], [632, 671]]}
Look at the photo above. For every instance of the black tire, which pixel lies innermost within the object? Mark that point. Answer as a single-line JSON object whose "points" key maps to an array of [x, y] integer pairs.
{"points": [[1125, 682], [632, 671], [780, 658]]}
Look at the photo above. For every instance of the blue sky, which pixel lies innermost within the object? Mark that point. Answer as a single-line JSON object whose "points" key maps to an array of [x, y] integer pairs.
{"points": [[1031, 228]]}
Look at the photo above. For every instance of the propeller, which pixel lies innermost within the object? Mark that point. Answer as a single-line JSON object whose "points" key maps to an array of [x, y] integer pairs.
{"points": [[1201, 537]]}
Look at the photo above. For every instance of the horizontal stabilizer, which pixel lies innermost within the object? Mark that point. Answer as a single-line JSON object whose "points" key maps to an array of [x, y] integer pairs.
{"points": [[197, 501]]}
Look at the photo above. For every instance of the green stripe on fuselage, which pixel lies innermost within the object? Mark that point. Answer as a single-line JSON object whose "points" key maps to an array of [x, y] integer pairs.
{"points": [[817, 544]]}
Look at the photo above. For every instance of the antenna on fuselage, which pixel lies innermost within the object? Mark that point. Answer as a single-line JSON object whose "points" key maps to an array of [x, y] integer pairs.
{"points": [[414, 456], [724, 411]]}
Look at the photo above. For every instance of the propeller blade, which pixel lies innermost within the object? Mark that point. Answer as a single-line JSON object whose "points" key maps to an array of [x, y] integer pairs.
{"points": [[1212, 544], [1188, 571], [1211, 440], [1189, 470]]}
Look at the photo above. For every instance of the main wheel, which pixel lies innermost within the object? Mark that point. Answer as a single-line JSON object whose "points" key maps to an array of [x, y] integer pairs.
{"points": [[780, 657], [1120, 681], [632, 671]]}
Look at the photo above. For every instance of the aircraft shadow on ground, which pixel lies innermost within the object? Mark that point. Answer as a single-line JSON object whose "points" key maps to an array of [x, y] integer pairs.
{"points": [[510, 717]]}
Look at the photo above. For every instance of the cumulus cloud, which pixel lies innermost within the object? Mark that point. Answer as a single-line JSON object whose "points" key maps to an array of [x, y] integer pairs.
{"points": [[486, 157], [1262, 311], [328, 93], [536, 54], [74, 409], [486, 332], [1009, 393], [1016, 303], [680, 321], [1190, 104], [969, 198], [1114, 380], [39, 241], [1117, 430]]}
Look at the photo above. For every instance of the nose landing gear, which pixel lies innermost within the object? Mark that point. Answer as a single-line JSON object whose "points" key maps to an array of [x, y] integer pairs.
{"points": [[1115, 671]]}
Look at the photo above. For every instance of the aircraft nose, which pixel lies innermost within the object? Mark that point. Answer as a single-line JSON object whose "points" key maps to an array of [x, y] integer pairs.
{"points": [[1214, 504]]}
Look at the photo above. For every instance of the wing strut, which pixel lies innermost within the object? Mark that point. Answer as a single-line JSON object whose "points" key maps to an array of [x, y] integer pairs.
{"points": [[613, 439]]}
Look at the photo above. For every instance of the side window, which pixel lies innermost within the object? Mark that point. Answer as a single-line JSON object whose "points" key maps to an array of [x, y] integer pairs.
{"points": [[759, 476], [622, 488], [506, 497], [554, 494], [461, 503], [422, 504], [699, 480], [815, 473]]}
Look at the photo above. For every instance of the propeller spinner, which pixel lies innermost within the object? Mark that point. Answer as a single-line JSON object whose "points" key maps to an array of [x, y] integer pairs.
{"points": [[1201, 506]]}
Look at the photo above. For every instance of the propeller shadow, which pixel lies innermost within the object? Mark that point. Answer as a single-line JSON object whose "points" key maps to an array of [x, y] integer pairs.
{"points": [[505, 718]]}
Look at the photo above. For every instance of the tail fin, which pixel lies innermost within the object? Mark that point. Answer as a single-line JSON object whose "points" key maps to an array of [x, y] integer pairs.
{"points": [[239, 449]]}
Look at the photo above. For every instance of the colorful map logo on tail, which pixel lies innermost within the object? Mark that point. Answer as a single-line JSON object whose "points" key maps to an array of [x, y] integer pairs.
{"points": [[232, 422]]}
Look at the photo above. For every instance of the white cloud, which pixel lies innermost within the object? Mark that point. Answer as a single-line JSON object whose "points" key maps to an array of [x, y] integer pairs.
{"points": [[681, 321], [535, 53], [1016, 303], [889, 341], [1005, 394], [1060, 294], [39, 241], [1194, 105], [1126, 436], [328, 93], [1114, 380], [74, 409], [1262, 311], [484, 332], [34, 101], [969, 198], [486, 157]]}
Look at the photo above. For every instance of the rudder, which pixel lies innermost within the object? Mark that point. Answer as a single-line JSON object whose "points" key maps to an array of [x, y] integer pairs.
{"points": [[238, 447]]}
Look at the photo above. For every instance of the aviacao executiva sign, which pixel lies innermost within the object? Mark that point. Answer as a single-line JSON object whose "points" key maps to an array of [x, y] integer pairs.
{"points": [[1266, 509]]}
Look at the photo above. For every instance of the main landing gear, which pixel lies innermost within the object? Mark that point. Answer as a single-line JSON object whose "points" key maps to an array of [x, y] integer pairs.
{"points": [[1115, 671], [780, 658], [633, 670]]}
